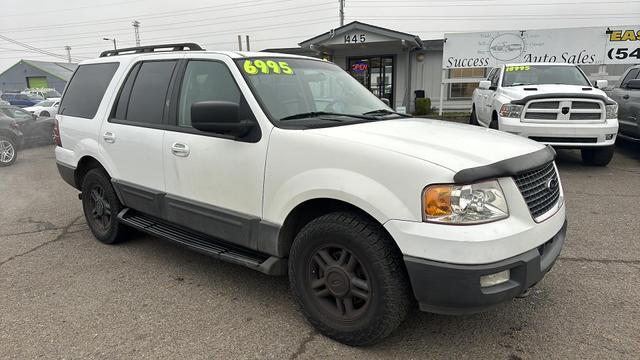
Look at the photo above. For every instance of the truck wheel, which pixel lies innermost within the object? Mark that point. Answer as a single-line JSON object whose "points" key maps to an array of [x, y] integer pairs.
{"points": [[101, 207], [473, 119], [8, 151], [600, 156], [494, 122], [348, 278]]}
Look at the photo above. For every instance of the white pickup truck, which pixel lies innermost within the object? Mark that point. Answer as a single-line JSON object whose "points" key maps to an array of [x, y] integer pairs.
{"points": [[554, 104]]}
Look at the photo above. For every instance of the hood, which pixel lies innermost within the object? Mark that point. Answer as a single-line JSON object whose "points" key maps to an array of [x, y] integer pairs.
{"points": [[450, 145], [519, 92]]}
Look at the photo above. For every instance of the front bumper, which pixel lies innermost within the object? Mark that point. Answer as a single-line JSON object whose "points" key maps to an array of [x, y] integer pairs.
{"points": [[455, 289], [565, 134]]}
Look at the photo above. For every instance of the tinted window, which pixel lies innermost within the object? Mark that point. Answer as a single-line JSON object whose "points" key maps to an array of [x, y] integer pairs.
{"points": [[630, 76], [149, 92], [205, 80], [86, 89]]}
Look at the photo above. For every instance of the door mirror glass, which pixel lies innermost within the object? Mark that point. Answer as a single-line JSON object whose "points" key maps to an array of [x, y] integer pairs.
{"points": [[633, 84], [386, 101], [601, 84], [485, 84], [219, 117]]}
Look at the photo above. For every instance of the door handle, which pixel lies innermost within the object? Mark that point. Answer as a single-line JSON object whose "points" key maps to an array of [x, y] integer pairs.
{"points": [[109, 137], [626, 97], [180, 149]]}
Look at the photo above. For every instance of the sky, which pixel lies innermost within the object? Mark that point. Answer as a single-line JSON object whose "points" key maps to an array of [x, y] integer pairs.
{"points": [[40, 30]]}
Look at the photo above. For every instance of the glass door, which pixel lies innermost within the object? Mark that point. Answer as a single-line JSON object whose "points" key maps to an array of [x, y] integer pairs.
{"points": [[375, 73]]}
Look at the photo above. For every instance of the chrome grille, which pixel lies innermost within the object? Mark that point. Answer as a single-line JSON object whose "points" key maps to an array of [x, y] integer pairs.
{"points": [[564, 110], [540, 188]]}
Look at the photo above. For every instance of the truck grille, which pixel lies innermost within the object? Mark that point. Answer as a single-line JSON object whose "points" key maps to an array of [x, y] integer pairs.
{"points": [[564, 110], [540, 188]]}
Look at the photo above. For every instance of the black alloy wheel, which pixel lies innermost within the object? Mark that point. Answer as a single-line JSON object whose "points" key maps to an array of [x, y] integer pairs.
{"points": [[339, 282]]}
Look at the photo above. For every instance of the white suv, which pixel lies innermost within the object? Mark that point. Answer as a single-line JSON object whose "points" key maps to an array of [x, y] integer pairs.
{"points": [[554, 104], [287, 165]]}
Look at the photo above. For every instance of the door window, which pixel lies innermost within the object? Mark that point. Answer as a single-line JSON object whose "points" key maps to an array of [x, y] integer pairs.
{"points": [[632, 74], [207, 81], [149, 92]]}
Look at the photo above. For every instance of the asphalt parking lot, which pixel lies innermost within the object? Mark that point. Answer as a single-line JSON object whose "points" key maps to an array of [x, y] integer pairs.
{"points": [[65, 295]]}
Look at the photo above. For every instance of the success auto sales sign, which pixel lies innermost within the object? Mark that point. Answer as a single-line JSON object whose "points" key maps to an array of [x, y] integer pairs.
{"points": [[581, 46]]}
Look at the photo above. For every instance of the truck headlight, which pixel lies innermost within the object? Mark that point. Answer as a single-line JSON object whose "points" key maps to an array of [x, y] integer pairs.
{"points": [[612, 111], [464, 204], [511, 110]]}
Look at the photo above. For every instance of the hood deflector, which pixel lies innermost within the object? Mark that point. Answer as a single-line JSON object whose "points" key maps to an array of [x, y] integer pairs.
{"points": [[508, 167]]}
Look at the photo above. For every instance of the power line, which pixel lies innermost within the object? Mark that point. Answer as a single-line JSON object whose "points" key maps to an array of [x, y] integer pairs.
{"points": [[27, 46], [181, 24], [199, 10]]}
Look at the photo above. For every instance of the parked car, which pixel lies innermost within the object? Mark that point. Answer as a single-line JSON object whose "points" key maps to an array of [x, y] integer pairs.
{"points": [[45, 93], [554, 104], [2, 102], [365, 209], [11, 139], [45, 108], [627, 95], [36, 130], [21, 100]]}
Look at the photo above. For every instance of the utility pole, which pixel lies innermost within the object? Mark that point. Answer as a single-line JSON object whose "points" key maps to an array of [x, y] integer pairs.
{"points": [[68, 48], [341, 13], [239, 42], [136, 30], [248, 47], [114, 42]]}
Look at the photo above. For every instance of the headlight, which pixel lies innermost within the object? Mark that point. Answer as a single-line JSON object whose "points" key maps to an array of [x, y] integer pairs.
{"points": [[464, 204], [612, 111], [511, 110]]}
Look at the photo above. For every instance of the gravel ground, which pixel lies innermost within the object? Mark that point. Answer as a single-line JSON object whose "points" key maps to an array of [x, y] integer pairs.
{"points": [[64, 295]]}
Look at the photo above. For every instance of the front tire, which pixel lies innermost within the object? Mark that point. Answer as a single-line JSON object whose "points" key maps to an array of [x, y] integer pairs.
{"points": [[600, 156], [349, 279], [8, 151], [45, 114], [101, 207]]}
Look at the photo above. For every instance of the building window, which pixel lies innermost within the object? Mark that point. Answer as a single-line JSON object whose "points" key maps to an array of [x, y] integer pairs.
{"points": [[459, 91]]}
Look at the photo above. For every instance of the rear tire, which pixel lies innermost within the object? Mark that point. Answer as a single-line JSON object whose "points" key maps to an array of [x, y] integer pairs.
{"points": [[600, 156], [494, 122], [8, 151], [101, 207], [473, 118], [349, 278]]}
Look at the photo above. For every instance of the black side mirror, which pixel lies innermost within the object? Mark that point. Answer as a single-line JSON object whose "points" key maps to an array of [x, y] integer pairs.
{"points": [[386, 101], [220, 117], [633, 84]]}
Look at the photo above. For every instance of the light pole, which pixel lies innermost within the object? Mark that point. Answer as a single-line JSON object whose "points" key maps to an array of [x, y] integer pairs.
{"points": [[114, 42]]}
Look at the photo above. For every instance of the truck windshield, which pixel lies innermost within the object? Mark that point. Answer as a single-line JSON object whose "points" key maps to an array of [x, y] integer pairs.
{"points": [[543, 74], [304, 91]]}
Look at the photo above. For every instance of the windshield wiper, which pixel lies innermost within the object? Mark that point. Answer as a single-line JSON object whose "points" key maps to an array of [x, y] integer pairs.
{"points": [[316, 114], [385, 112]]}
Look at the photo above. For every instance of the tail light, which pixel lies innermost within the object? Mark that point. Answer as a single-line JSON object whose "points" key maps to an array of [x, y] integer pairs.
{"points": [[56, 133]]}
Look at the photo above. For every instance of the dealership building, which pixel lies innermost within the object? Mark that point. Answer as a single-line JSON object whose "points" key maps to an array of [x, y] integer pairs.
{"points": [[399, 66]]}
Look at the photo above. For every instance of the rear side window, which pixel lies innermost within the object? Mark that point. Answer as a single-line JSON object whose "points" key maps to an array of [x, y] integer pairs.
{"points": [[86, 89], [144, 93]]}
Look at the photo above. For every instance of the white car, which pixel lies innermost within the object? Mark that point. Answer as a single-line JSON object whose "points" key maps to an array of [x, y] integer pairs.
{"points": [[239, 156], [554, 104], [45, 108]]}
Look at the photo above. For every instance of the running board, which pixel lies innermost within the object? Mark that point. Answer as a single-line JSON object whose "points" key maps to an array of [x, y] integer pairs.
{"points": [[202, 243]]}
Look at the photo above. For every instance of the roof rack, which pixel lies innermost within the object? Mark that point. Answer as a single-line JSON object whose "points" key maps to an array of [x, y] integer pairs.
{"points": [[153, 48]]}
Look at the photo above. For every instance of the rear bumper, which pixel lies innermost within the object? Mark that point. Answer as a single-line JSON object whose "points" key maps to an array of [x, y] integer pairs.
{"points": [[563, 135], [455, 289], [68, 173]]}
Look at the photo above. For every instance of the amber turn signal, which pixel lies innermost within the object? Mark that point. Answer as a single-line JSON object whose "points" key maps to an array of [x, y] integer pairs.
{"points": [[437, 200]]}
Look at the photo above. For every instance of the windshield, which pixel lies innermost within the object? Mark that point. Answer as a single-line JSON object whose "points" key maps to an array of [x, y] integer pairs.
{"points": [[298, 90], [543, 74]]}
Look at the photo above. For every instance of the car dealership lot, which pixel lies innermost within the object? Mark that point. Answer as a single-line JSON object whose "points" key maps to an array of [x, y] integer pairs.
{"points": [[63, 294]]}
